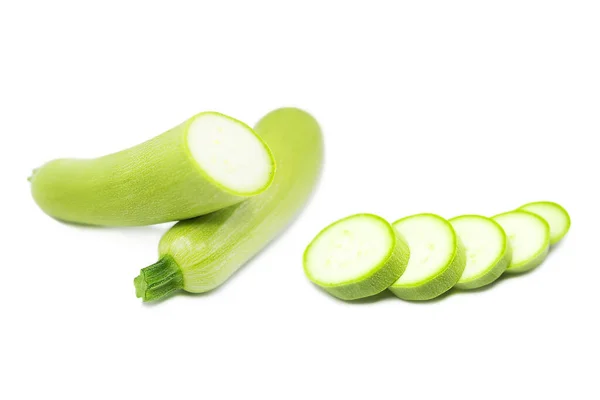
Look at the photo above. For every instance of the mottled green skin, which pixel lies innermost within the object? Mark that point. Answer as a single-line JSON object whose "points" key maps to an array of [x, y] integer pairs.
{"points": [[378, 279], [495, 270], [154, 182], [209, 249], [438, 284]]}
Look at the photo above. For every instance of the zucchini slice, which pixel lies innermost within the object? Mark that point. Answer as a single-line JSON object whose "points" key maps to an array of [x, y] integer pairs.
{"points": [[555, 215], [437, 257], [529, 237], [487, 248], [356, 257]]}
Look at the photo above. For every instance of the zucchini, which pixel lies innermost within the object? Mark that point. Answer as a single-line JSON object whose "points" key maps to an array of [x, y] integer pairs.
{"points": [[529, 236], [208, 162], [487, 248], [199, 254], [356, 257], [437, 257], [555, 215]]}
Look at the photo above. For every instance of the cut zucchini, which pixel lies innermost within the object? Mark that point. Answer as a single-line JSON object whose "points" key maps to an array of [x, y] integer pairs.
{"points": [[487, 248], [356, 257], [208, 162], [529, 237], [437, 257], [555, 215]]}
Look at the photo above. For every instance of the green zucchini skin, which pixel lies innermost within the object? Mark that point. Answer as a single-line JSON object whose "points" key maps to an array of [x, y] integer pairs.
{"points": [[154, 182], [210, 248]]}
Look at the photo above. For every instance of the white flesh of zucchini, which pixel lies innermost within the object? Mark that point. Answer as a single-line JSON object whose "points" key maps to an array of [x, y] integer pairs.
{"points": [[230, 153]]}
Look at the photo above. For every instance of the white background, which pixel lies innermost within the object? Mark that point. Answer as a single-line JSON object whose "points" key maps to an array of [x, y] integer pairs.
{"points": [[449, 107]]}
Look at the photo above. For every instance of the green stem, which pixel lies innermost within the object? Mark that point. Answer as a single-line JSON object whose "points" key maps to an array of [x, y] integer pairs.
{"points": [[30, 179], [158, 280]]}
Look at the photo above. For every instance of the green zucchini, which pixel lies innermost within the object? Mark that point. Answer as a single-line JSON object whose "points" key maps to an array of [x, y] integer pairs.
{"points": [[199, 254], [557, 217], [209, 162], [437, 257], [529, 237], [488, 252], [356, 257]]}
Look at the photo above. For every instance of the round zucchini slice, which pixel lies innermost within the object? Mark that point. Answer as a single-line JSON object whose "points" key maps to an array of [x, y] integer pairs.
{"points": [[487, 248], [356, 257], [437, 257], [557, 217], [529, 237]]}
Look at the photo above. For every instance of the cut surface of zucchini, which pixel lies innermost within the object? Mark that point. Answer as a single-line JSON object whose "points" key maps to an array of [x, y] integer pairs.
{"points": [[230, 153], [529, 237], [555, 215], [356, 257], [437, 257], [487, 249]]}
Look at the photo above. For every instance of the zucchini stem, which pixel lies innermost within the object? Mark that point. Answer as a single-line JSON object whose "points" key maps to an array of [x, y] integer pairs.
{"points": [[158, 280]]}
